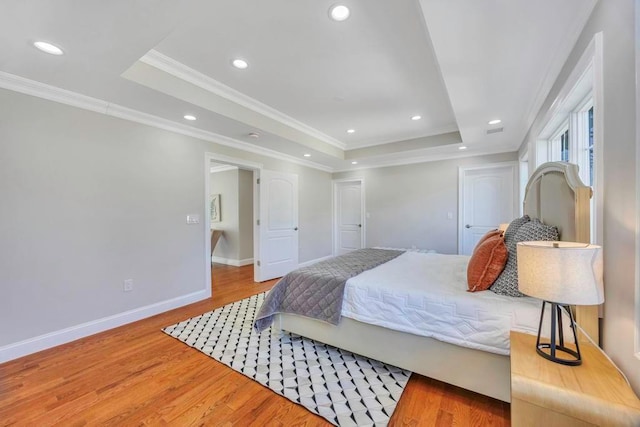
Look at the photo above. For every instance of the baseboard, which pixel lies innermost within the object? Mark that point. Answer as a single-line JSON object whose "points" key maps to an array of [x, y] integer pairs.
{"points": [[241, 262], [63, 336], [234, 262], [313, 261]]}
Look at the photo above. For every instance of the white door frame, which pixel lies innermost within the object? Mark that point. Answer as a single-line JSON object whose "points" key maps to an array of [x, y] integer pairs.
{"points": [[334, 210], [243, 164], [523, 176], [461, 173]]}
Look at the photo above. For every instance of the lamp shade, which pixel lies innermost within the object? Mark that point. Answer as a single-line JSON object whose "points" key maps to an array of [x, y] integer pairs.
{"points": [[561, 272]]}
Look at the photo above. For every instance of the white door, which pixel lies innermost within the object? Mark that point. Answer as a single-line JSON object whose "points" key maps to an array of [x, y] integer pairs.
{"points": [[487, 199], [348, 219], [278, 227]]}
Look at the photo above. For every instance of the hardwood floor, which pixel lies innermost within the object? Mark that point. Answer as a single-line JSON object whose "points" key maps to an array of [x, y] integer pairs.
{"points": [[137, 375]]}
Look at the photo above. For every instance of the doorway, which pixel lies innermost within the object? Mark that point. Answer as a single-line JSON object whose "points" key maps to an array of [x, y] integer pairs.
{"points": [[231, 214], [487, 198], [348, 215], [275, 209]]}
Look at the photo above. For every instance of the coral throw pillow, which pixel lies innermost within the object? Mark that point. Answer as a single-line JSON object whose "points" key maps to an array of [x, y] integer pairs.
{"points": [[489, 235], [486, 263]]}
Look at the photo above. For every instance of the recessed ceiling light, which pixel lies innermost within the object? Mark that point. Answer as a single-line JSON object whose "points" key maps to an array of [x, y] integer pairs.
{"points": [[462, 147], [48, 48], [495, 122], [339, 12], [254, 135], [416, 117], [351, 130], [307, 155], [354, 163], [240, 63], [189, 117]]}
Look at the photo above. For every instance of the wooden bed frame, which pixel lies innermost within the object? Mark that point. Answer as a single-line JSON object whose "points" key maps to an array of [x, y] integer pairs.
{"points": [[555, 195]]}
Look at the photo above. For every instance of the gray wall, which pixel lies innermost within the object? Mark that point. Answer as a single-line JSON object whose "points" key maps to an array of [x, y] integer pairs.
{"points": [[226, 184], [615, 18], [408, 205], [89, 200], [236, 203]]}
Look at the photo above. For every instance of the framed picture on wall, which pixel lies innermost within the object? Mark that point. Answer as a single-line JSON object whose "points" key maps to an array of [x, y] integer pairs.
{"points": [[214, 208]]}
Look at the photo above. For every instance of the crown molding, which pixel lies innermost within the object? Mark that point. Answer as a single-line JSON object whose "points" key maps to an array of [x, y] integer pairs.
{"points": [[181, 71], [158, 122], [63, 96], [429, 158], [51, 93], [560, 55], [432, 132]]}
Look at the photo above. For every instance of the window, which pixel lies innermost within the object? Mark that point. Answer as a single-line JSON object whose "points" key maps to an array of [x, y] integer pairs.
{"points": [[564, 146], [558, 145], [573, 140], [570, 129]]}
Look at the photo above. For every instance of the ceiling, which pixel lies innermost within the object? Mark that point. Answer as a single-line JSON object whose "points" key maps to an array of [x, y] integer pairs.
{"points": [[457, 64]]}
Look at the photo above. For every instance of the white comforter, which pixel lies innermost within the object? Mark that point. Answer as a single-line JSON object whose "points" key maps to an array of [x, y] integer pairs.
{"points": [[426, 294]]}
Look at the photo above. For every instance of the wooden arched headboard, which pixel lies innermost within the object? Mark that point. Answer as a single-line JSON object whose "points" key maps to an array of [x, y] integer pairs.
{"points": [[556, 195]]}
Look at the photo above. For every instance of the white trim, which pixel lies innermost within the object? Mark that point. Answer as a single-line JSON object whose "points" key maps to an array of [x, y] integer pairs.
{"points": [[62, 96], [637, 260], [181, 71], [585, 64], [334, 210], [461, 173], [207, 218], [63, 336], [222, 168], [433, 132], [554, 146], [598, 137], [313, 261], [430, 158], [243, 164], [565, 46], [523, 177], [588, 69], [51, 93], [257, 272], [233, 262], [234, 161]]}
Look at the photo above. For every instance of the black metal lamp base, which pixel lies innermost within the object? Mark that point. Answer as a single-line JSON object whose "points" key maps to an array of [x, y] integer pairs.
{"points": [[553, 347]]}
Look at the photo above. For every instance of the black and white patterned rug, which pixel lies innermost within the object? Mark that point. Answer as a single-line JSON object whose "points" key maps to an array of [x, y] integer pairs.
{"points": [[345, 388]]}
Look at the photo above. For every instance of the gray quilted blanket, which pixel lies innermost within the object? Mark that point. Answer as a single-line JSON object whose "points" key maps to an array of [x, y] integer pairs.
{"points": [[317, 290]]}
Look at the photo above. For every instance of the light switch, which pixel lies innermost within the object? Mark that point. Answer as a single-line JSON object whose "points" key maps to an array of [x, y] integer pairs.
{"points": [[193, 219], [449, 215], [368, 215]]}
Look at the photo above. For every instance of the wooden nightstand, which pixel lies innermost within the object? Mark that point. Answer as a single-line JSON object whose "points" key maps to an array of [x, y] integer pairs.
{"points": [[548, 394]]}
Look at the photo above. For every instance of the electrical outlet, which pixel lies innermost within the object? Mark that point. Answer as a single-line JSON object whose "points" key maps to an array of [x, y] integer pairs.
{"points": [[127, 285]]}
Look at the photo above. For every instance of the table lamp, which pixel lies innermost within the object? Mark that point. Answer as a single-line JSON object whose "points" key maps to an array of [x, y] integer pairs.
{"points": [[561, 274]]}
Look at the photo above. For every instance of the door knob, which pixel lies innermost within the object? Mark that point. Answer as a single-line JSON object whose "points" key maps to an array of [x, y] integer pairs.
{"points": [[295, 229], [360, 225], [467, 226]]}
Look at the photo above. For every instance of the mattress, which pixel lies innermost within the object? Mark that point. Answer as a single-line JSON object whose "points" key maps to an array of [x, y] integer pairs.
{"points": [[426, 294]]}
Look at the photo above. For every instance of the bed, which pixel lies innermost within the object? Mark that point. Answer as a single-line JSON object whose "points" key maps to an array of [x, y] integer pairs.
{"points": [[556, 196]]}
